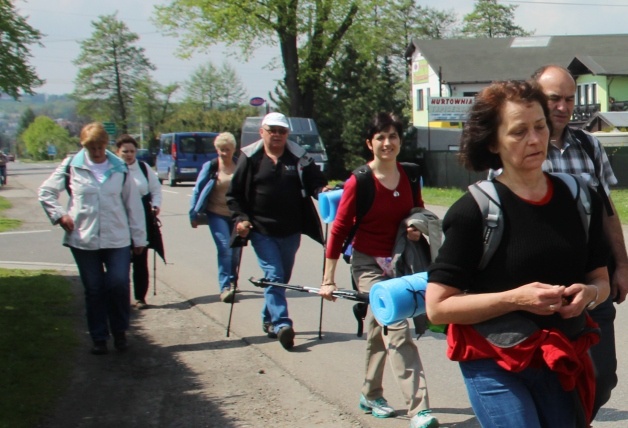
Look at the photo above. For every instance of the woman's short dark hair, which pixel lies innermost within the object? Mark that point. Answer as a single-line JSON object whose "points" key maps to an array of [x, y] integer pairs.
{"points": [[480, 131], [383, 121], [125, 139]]}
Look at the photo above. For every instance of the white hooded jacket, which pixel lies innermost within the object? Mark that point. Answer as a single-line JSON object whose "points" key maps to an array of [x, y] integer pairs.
{"points": [[106, 215]]}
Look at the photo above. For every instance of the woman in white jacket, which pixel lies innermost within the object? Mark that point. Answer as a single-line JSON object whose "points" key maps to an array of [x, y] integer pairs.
{"points": [[150, 191], [103, 218]]}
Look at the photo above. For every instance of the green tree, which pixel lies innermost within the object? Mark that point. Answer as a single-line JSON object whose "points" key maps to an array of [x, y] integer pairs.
{"points": [[490, 19], [211, 87], [16, 75], [308, 34], [234, 92], [358, 89], [27, 117], [110, 69], [152, 106], [42, 133]]}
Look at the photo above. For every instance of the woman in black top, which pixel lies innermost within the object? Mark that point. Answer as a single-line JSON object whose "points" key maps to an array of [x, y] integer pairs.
{"points": [[515, 324]]}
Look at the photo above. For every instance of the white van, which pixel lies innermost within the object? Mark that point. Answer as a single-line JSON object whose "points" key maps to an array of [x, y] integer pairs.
{"points": [[303, 131]]}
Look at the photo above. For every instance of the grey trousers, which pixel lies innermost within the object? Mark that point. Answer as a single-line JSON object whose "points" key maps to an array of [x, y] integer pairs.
{"points": [[397, 346]]}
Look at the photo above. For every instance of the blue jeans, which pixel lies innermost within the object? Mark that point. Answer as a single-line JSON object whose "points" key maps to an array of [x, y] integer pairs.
{"points": [[604, 354], [228, 258], [275, 256], [105, 277], [532, 398]]}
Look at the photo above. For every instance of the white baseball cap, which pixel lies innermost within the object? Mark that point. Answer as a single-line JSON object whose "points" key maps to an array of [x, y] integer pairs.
{"points": [[275, 119]]}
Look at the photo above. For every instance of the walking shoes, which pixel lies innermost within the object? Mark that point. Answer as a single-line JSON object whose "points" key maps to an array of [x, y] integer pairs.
{"points": [[378, 407], [227, 295], [423, 419], [286, 337]]}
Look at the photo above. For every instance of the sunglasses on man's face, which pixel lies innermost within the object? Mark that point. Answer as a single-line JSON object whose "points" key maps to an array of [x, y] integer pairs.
{"points": [[277, 130]]}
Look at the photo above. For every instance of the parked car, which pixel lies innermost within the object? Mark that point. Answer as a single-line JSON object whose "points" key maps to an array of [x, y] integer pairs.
{"points": [[182, 154], [146, 156], [303, 131]]}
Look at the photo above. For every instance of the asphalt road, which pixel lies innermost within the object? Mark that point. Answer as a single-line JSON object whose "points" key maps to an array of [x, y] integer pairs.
{"points": [[331, 367]]}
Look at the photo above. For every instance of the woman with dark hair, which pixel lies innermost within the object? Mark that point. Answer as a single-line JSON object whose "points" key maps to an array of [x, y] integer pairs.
{"points": [[519, 326], [372, 249], [150, 191]]}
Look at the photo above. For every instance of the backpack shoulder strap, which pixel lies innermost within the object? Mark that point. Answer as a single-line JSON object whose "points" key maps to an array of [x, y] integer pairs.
{"points": [[587, 146], [143, 168], [365, 191], [486, 197], [580, 192], [413, 172], [365, 195], [213, 167], [68, 172]]}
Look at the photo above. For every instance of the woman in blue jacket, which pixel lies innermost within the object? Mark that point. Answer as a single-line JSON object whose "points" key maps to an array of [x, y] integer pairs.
{"points": [[208, 199]]}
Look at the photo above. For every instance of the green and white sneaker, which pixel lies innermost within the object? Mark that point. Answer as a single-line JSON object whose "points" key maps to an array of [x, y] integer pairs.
{"points": [[378, 407], [423, 419]]}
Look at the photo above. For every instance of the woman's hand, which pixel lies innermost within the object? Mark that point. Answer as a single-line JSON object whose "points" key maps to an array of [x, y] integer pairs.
{"points": [[540, 298], [413, 233], [243, 228], [138, 250], [577, 297], [66, 223], [326, 291]]}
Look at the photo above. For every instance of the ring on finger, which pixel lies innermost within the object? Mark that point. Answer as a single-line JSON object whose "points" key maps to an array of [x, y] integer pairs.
{"points": [[552, 308]]}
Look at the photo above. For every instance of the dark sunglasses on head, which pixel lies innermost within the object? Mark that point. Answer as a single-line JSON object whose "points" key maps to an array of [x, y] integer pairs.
{"points": [[277, 130]]}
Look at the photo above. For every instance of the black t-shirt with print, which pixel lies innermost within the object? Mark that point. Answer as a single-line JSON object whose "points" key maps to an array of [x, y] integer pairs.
{"points": [[277, 204]]}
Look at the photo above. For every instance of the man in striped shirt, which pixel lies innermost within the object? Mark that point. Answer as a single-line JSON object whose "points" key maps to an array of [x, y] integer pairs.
{"points": [[575, 152]]}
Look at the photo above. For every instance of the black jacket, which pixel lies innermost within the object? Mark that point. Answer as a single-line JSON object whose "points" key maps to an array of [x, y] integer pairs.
{"points": [[311, 178]]}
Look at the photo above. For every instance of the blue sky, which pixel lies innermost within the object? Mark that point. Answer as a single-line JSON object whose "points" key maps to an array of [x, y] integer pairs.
{"points": [[66, 22]]}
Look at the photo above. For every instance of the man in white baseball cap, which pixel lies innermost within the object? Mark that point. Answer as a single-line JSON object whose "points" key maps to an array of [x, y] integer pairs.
{"points": [[271, 202], [275, 119]]}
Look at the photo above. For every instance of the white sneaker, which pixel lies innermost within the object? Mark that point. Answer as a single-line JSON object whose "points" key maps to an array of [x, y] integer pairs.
{"points": [[378, 407], [423, 419]]}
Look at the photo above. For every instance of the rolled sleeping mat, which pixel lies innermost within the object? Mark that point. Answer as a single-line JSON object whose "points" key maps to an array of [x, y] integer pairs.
{"points": [[396, 299], [328, 204]]}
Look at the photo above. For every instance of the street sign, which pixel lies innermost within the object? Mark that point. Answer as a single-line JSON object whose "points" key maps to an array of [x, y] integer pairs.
{"points": [[110, 128], [52, 150], [257, 101]]}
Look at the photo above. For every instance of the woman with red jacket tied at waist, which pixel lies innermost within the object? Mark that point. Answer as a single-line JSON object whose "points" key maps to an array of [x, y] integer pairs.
{"points": [[372, 248], [519, 327]]}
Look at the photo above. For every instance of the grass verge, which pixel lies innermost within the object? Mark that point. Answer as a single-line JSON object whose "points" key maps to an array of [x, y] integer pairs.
{"points": [[37, 335], [7, 223]]}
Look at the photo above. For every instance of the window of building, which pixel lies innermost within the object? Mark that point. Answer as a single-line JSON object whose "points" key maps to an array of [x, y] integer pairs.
{"points": [[586, 94], [420, 105]]}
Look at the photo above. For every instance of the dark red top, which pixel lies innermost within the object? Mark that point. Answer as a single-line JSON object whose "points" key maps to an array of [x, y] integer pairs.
{"points": [[378, 228]]}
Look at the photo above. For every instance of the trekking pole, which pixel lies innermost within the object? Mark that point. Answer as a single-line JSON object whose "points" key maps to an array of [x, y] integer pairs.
{"points": [[340, 293], [235, 287], [320, 316], [154, 273]]}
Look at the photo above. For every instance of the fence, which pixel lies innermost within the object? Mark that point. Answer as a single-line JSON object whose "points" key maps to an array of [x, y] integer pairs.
{"points": [[442, 169]]}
